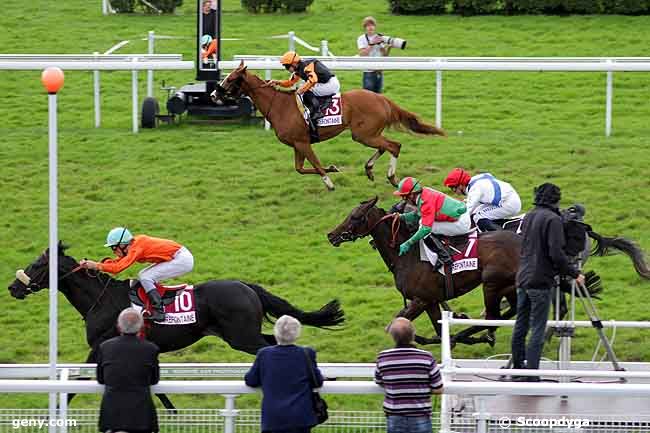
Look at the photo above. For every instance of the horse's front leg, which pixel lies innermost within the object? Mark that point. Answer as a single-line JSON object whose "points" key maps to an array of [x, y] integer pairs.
{"points": [[299, 163], [411, 311]]}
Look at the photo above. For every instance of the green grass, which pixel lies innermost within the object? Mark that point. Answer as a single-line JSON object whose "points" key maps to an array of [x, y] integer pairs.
{"points": [[231, 195]]}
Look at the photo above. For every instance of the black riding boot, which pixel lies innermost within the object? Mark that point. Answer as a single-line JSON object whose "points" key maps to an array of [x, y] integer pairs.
{"points": [[443, 253], [157, 309], [486, 225]]}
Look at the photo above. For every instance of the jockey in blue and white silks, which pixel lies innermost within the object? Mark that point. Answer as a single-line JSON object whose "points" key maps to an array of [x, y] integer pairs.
{"points": [[488, 198]]}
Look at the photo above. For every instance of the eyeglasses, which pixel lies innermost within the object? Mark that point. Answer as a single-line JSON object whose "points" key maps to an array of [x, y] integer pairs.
{"points": [[287, 67]]}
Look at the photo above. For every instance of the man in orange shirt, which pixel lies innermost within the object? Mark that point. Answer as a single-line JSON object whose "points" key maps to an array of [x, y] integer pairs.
{"points": [[169, 260]]}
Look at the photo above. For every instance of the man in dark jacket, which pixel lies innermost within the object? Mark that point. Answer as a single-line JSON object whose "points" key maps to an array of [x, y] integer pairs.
{"points": [[542, 259], [127, 366], [285, 374]]}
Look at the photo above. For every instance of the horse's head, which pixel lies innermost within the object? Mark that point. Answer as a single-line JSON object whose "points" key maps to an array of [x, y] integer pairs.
{"points": [[36, 277], [355, 226], [232, 84]]}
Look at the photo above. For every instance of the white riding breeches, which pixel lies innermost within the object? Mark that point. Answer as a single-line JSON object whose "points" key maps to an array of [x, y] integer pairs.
{"points": [[180, 264], [510, 207], [326, 89], [459, 227]]}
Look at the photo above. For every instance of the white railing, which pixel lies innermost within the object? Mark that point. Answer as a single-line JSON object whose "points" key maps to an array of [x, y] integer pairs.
{"points": [[100, 62], [440, 64], [231, 389], [181, 370]]}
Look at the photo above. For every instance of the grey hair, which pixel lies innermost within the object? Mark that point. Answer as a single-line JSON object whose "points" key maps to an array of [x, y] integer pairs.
{"points": [[287, 330], [402, 331], [130, 321]]}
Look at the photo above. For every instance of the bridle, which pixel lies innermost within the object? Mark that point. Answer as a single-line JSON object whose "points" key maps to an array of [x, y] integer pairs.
{"points": [[36, 283], [349, 236], [237, 85]]}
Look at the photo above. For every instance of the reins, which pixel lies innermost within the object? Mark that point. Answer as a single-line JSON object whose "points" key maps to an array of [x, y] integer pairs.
{"points": [[395, 225]]}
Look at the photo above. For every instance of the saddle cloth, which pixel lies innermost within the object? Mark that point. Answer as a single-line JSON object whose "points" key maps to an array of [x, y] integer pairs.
{"points": [[178, 301], [466, 259], [333, 114]]}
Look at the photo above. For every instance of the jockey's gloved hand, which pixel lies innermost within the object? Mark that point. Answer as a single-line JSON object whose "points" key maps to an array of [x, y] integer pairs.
{"points": [[404, 248]]}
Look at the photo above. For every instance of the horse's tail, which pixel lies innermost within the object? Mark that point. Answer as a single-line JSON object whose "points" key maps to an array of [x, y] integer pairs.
{"points": [[626, 246], [405, 119], [330, 314]]}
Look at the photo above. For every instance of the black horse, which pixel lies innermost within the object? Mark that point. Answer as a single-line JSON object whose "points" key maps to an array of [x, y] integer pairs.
{"points": [[229, 309]]}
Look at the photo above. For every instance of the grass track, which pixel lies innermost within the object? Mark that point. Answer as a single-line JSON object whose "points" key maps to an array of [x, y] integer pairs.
{"points": [[230, 193]]}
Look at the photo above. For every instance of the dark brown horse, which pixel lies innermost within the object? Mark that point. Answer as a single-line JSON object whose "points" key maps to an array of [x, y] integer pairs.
{"points": [[498, 262], [416, 280], [365, 113]]}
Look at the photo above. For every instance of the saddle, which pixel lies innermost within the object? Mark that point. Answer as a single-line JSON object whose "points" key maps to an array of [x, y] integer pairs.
{"points": [[313, 108], [138, 296]]}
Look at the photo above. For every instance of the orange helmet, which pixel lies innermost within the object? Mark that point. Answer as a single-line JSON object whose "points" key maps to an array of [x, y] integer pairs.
{"points": [[290, 58]]}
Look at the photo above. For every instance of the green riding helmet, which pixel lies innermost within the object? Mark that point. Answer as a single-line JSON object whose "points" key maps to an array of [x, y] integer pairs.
{"points": [[118, 236], [407, 186]]}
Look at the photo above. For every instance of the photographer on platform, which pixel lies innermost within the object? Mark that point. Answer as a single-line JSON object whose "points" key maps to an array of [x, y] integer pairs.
{"points": [[373, 44], [542, 259]]}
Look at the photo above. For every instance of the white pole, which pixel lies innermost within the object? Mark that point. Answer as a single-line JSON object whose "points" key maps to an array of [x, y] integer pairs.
{"points": [[229, 414], [134, 91], [54, 251], [267, 76], [324, 50], [152, 41], [105, 7], [608, 103], [98, 112], [439, 99], [63, 402], [292, 41], [445, 402]]}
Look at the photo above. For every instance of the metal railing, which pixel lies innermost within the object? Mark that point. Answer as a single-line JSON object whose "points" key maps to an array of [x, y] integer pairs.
{"points": [[476, 64]]}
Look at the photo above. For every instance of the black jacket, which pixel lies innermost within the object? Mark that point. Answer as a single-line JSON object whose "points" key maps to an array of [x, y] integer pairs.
{"points": [[210, 24], [542, 251], [127, 366]]}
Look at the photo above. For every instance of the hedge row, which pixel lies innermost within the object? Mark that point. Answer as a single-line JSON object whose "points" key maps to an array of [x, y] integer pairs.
{"points": [[270, 6], [490, 7], [127, 6]]}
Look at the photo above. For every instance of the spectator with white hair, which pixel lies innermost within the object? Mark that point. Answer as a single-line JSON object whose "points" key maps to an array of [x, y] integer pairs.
{"points": [[127, 366], [285, 374]]}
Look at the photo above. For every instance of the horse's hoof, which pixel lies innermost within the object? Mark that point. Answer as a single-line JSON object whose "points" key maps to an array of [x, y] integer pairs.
{"points": [[491, 340], [461, 316], [370, 174], [333, 169]]}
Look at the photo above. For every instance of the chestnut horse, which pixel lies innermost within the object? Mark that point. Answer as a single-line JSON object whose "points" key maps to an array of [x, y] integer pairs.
{"points": [[365, 113]]}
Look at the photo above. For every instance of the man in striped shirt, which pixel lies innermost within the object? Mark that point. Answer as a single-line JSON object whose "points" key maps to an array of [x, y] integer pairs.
{"points": [[408, 376]]}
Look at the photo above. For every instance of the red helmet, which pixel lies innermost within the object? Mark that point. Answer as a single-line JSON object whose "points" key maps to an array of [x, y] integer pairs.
{"points": [[407, 186], [456, 177]]}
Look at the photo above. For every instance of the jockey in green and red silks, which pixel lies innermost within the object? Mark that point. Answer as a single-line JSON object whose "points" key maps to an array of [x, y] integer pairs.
{"points": [[437, 212]]}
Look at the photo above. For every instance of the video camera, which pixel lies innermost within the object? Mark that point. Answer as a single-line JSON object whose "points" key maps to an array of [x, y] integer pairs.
{"points": [[389, 40]]}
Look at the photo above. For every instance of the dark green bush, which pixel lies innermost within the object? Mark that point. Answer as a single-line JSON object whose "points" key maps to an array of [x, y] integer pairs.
{"points": [[270, 6], [476, 7], [123, 6], [166, 6], [417, 7], [626, 7]]}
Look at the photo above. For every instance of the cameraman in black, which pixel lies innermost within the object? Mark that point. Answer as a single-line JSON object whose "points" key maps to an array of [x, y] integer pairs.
{"points": [[542, 258]]}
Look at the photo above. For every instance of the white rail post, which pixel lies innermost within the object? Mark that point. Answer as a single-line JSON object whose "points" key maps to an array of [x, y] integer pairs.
{"points": [[52, 79], [481, 415], [63, 402], [324, 50], [152, 40], [439, 99], [267, 76], [608, 102], [105, 7], [97, 90], [229, 413], [292, 41], [134, 90], [445, 402]]}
